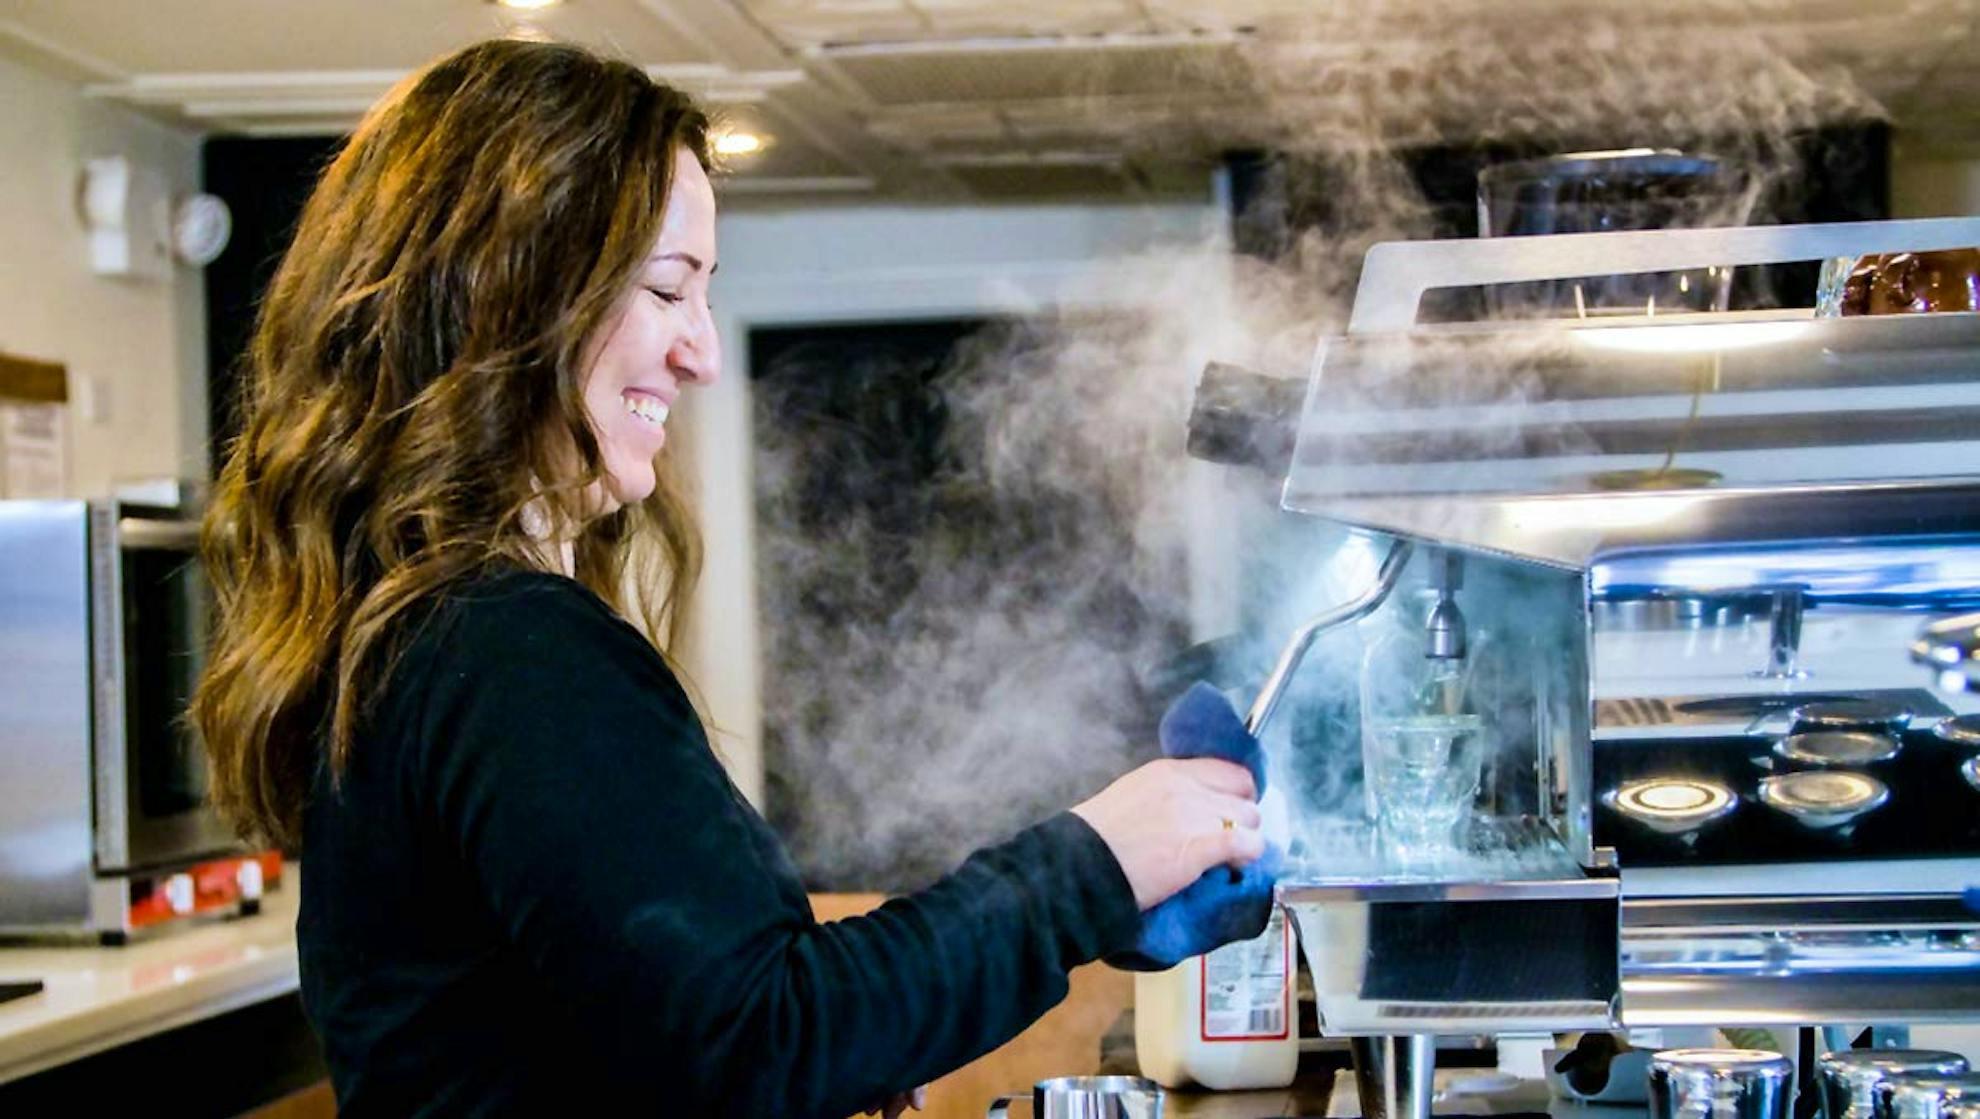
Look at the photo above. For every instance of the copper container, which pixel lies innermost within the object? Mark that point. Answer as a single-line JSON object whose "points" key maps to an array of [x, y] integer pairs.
{"points": [[1901, 283]]}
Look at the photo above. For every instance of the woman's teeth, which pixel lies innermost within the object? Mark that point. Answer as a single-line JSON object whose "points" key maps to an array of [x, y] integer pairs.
{"points": [[647, 408]]}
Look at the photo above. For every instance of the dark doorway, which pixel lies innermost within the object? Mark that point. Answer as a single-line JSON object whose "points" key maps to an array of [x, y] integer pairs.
{"points": [[953, 633], [852, 420], [265, 182]]}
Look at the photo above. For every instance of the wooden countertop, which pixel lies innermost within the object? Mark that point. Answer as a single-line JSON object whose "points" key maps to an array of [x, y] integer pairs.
{"points": [[99, 998], [1333, 1095], [1308, 1095]]}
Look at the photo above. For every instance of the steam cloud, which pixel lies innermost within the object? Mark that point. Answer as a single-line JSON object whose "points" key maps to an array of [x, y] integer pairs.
{"points": [[953, 660]]}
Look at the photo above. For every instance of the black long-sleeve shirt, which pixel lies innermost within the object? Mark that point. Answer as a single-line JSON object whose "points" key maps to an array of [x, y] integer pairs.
{"points": [[536, 887]]}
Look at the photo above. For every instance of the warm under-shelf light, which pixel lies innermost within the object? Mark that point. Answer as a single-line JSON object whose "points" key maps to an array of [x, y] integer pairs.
{"points": [[1690, 338]]}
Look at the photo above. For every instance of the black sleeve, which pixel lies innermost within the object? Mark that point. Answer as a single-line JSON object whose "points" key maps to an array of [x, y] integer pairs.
{"points": [[572, 771]]}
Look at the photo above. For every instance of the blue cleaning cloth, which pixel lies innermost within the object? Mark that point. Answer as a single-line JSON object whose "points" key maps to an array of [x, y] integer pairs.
{"points": [[1221, 906]]}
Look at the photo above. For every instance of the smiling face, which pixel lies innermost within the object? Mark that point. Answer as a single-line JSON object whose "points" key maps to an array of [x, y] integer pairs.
{"points": [[659, 340]]}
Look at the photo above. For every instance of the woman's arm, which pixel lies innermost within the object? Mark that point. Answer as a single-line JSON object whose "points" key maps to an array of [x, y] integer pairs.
{"points": [[573, 774]]}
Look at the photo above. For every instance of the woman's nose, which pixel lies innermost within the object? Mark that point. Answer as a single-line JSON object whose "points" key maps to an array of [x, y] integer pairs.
{"points": [[697, 353]]}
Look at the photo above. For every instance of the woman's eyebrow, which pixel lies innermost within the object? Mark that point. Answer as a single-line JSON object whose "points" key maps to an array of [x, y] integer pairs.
{"points": [[692, 260]]}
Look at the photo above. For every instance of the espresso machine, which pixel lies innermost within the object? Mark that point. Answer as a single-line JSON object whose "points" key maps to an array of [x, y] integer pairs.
{"points": [[1641, 738]]}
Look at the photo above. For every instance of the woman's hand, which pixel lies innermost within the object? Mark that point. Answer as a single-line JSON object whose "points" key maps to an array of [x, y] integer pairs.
{"points": [[1173, 819]]}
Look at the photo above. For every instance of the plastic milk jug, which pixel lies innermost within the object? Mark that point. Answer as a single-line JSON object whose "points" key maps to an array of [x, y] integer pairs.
{"points": [[1224, 1020]]}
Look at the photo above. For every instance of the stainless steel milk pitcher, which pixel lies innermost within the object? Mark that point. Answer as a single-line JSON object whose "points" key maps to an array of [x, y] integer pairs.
{"points": [[1089, 1097]]}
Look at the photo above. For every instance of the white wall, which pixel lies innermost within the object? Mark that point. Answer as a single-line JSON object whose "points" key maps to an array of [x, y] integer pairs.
{"points": [[142, 342], [863, 264]]}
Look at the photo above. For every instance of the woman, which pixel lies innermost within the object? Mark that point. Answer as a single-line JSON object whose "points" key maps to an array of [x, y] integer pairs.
{"points": [[446, 551]]}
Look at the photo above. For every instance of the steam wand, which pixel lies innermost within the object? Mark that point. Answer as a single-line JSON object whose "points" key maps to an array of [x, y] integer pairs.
{"points": [[1403, 1064], [1302, 639]]}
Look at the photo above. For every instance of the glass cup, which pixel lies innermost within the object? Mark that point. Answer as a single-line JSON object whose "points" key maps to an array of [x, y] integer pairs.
{"points": [[1423, 747], [1422, 775], [1088, 1097], [1597, 192]]}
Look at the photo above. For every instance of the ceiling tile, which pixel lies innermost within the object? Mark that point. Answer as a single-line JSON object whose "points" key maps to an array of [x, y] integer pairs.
{"points": [[921, 95], [910, 77], [197, 36]]}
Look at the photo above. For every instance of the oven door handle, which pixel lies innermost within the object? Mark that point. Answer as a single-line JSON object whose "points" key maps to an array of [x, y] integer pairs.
{"points": [[139, 532]]}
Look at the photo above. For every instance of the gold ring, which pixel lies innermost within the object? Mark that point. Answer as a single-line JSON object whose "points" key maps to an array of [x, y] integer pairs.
{"points": [[1229, 823]]}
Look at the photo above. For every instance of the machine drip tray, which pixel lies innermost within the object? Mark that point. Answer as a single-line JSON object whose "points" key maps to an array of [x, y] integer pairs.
{"points": [[1517, 854]]}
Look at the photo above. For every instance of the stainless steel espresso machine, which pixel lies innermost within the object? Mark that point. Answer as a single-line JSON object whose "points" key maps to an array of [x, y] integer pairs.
{"points": [[1641, 739]]}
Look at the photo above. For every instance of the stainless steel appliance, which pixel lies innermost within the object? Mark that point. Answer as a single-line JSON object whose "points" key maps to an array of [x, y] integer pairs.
{"points": [[1702, 781], [103, 626], [1923, 1097], [1720, 1084], [1852, 1080]]}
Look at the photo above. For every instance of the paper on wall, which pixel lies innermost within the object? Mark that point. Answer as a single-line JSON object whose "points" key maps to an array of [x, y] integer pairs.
{"points": [[33, 450]]}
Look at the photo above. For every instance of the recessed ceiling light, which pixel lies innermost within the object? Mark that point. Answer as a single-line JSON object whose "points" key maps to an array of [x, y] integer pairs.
{"points": [[528, 5], [738, 143]]}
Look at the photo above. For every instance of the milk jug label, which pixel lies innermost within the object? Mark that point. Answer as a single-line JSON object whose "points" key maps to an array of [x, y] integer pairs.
{"points": [[1245, 986]]}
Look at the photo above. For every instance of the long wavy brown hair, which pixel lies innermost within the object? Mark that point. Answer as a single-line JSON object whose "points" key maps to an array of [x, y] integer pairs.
{"points": [[415, 383]]}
